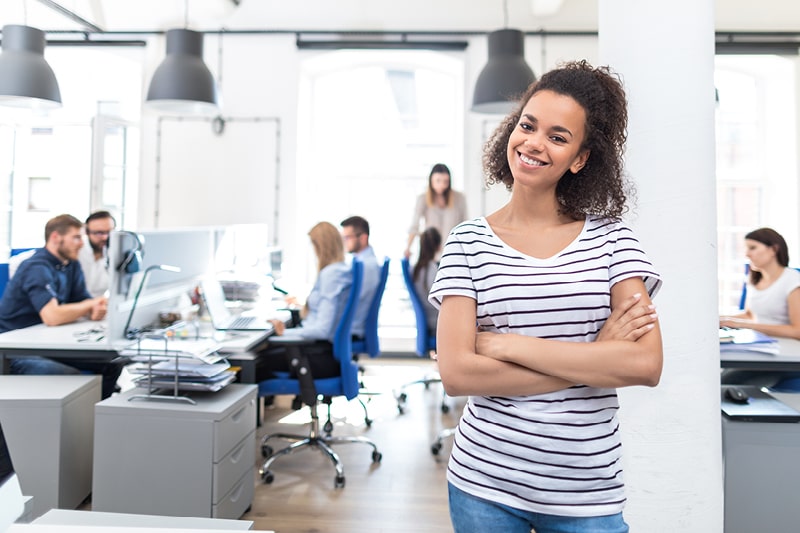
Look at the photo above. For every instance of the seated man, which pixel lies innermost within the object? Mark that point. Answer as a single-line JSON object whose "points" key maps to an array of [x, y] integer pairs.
{"points": [[94, 258], [49, 288], [355, 234]]}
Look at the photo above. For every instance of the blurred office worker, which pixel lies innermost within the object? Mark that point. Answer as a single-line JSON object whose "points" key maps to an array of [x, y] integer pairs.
{"points": [[49, 288], [355, 234], [94, 258]]}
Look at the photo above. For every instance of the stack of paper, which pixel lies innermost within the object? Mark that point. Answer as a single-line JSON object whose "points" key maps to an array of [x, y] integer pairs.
{"points": [[747, 340], [179, 364]]}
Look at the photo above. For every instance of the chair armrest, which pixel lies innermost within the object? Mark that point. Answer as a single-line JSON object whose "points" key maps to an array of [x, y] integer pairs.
{"points": [[291, 341]]}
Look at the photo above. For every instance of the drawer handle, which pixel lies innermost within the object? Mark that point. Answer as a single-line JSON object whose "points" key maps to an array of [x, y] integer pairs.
{"points": [[236, 455], [235, 495], [238, 414]]}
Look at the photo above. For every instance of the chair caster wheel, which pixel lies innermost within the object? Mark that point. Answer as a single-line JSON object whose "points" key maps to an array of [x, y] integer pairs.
{"points": [[368, 422], [402, 398], [376, 457], [267, 477], [297, 403], [266, 450], [338, 482], [328, 427], [445, 408], [436, 448]]}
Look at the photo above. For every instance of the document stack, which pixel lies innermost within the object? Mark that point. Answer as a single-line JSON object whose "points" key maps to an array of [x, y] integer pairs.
{"points": [[746, 340], [179, 365]]}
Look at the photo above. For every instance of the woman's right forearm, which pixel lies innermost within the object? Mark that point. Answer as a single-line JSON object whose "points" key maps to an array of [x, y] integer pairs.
{"points": [[471, 374]]}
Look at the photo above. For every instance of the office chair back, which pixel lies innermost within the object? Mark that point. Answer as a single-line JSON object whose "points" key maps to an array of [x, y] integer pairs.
{"points": [[370, 344], [3, 278], [347, 383], [426, 340]]}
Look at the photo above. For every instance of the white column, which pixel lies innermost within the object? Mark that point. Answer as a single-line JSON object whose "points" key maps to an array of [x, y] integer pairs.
{"points": [[671, 434]]}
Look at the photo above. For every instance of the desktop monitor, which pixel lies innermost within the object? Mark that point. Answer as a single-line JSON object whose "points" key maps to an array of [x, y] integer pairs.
{"points": [[12, 503], [191, 250]]}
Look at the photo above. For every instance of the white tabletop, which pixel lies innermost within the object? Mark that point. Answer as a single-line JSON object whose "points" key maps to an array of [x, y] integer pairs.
{"points": [[85, 335], [787, 358]]}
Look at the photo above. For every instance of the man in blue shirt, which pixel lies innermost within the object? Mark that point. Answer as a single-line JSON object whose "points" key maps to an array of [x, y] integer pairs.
{"points": [[49, 288], [355, 234]]}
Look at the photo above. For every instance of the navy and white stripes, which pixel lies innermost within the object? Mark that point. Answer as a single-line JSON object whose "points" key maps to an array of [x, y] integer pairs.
{"points": [[556, 453]]}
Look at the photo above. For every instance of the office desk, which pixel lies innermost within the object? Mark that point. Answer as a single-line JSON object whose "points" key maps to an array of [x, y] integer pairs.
{"points": [[788, 359], [69, 341]]}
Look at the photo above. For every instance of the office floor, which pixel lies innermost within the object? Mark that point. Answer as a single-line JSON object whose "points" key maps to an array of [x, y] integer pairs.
{"points": [[405, 492]]}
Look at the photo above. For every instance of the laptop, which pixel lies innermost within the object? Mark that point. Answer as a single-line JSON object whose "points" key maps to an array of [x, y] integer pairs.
{"points": [[760, 406], [221, 317]]}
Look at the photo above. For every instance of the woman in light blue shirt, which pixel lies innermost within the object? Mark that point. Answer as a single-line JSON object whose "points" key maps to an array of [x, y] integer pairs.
{"points": [[322, 310]]}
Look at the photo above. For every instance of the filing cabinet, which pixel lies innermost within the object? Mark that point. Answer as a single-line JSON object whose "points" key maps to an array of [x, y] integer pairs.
{"points": [[176, 459]]}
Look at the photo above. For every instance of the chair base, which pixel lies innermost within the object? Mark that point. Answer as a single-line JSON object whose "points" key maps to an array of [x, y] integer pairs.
{"points": [[436, 447], [427, 380], [312, 440]]}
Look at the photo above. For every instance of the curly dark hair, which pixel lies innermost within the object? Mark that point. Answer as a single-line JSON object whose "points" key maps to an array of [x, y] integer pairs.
{"points": [[599, 188]]}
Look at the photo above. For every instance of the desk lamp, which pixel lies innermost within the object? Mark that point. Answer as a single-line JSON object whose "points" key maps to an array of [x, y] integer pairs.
{"points": [[168, 268]]}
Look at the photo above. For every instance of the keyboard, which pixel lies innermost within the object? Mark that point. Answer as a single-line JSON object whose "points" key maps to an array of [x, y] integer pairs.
{"points": [[241, 322]]}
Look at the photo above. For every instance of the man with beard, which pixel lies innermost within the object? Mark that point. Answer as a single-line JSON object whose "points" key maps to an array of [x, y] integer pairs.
{"points": [[94, 258], [49, 288]]}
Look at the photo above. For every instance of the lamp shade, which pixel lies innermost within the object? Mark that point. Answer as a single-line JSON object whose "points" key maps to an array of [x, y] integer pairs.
{"points": [[505, 76], [26, 80], [182, 83]]}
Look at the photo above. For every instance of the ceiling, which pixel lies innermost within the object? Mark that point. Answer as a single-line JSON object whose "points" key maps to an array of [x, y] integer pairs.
{"points": [[114, 16]]}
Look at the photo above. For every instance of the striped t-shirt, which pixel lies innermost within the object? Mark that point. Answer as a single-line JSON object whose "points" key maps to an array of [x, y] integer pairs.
{"points": [[555, 453]]}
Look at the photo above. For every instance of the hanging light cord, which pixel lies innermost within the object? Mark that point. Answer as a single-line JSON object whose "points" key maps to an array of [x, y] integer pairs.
{"points": [[505, 14], [185, 14]]}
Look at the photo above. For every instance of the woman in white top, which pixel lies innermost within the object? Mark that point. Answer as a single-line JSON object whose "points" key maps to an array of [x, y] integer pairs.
{"points": [[773, 289], [439, 207], [545, 279]]}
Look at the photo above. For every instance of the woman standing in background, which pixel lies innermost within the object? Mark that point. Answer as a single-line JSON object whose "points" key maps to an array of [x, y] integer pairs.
{"points": [[440, 206]]}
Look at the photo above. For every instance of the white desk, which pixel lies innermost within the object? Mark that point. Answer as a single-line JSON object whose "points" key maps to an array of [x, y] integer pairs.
{"points": [[48, 422], [788, 358], [69, 341], [62, 517]]}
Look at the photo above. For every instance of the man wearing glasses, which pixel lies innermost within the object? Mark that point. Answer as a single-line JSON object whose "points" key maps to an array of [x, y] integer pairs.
{"points": [[94, 257], [355, 234]]}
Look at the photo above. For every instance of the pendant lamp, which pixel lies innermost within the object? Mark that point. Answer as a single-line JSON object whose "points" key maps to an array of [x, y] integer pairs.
{"points": [[505, 76], [26, 80], [182, 83]]}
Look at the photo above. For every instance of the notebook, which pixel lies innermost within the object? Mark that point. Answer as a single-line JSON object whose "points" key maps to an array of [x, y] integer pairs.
{"points": [[760, 407], [221, 317]]}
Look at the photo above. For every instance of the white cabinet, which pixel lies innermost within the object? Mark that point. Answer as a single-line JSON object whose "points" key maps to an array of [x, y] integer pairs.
{"points": [[176, 459], [48, 422]]}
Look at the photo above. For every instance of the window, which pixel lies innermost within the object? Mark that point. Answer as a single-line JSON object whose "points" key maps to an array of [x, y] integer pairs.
{"points": [[756, 160]]}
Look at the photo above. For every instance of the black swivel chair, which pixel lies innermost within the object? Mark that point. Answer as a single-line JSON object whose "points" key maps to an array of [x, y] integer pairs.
{"points": [[302, 382]]}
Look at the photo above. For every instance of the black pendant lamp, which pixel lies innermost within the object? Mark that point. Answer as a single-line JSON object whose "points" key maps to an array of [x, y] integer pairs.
{"points": [[26, 80], [505, 76], [182, 83]]}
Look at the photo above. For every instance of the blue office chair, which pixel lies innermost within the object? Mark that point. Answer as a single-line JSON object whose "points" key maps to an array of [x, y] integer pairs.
{"points": [[346, 384], [3, 278], [426, 340], [370, 343]]}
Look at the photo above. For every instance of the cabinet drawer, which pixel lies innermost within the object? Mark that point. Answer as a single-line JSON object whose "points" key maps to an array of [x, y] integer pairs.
{"points": [[232, 429], [228, 471], [234, 504]]}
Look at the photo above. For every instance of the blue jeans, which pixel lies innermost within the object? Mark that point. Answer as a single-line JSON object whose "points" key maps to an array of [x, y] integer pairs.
{"points": [[470, 514], [41, 366]]}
